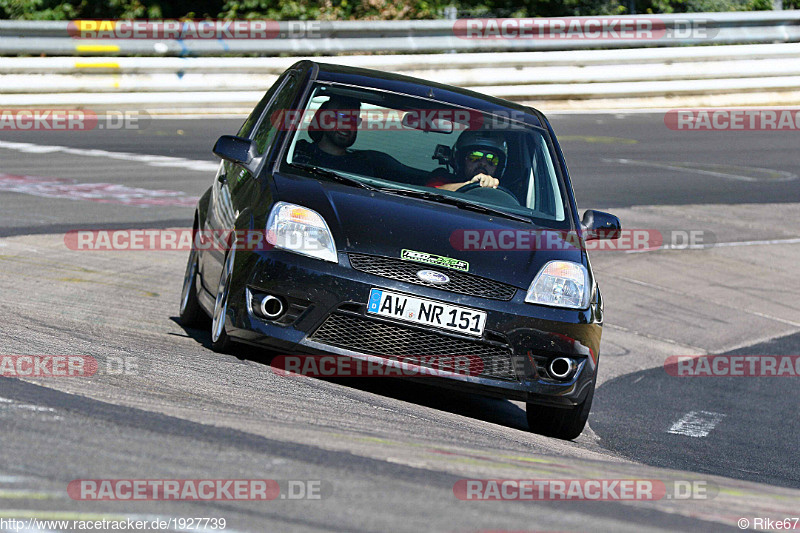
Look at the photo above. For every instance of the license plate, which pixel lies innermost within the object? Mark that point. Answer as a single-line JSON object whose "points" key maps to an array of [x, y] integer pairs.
{"points": [[426, 312]]}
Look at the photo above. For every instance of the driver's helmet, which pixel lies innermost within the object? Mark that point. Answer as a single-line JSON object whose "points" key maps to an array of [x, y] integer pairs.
{"points": [[480, 139]]}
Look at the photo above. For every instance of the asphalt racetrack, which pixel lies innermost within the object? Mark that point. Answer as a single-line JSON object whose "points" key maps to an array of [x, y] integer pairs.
{"points": [[385, 454]]}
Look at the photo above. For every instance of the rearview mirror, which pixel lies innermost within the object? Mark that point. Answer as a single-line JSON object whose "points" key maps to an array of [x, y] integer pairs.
{"points": [[237, 150], [420, 120], [600, 225]]}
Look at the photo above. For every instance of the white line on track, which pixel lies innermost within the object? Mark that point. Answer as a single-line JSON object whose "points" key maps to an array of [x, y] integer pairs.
{"points": [[5, 403], [622, 111], [717, 245], [683, 293], [784, 176], [106, 193], [696, 423], [152, 160]]}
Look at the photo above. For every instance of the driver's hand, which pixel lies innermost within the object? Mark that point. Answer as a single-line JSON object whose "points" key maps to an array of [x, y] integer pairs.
{"points": [[486, 180]]}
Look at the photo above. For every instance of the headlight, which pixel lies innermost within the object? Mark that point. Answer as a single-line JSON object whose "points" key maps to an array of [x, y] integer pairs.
{"points": [[560, 284], [300, 230]]}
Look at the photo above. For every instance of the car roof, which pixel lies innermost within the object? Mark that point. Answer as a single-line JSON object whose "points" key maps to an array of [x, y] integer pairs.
{"points": [[418, 87]]}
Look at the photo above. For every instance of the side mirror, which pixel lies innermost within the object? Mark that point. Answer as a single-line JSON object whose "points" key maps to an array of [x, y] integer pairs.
{"points": [[237, 150], [600, 225]]}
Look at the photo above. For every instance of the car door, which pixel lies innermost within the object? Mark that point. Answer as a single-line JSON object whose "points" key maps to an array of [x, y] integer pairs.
{"points": [[235, 187]]}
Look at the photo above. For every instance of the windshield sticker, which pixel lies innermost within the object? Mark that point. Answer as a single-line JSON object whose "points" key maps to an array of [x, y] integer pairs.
{"points": [[432, 259]]}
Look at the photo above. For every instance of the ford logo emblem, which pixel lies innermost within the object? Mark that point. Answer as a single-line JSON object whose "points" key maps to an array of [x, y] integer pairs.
{"points": [[431, 276]]}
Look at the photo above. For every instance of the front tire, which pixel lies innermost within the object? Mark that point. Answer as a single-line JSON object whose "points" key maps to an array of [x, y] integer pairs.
{"points": [[559, 422], [191, 314], [220, 341]]}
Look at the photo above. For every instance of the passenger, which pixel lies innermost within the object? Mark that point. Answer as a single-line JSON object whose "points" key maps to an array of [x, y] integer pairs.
{"points": [[333, 130]]}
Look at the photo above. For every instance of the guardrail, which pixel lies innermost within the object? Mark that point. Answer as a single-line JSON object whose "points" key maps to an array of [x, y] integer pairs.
{"points": [[336, 37], [661, 76], [749, 71]]}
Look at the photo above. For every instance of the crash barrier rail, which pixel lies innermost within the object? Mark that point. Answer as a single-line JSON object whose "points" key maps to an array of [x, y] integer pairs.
{"points": [[226, 83], [758, 72], [336, 37]]}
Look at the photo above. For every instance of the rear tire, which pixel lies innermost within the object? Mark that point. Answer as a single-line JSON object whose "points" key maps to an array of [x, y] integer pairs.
{"points": [[191, 314], [558, 422], [220, 341]]}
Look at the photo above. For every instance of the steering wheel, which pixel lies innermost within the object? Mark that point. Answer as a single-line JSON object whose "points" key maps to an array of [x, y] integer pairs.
{"points": [[489, 191]]}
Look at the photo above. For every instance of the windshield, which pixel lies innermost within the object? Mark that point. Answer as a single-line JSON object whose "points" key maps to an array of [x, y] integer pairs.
{"points": [[410, 144]]}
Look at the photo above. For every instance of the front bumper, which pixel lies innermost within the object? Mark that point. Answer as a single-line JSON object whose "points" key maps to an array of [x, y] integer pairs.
{"points": [[517, 342]]}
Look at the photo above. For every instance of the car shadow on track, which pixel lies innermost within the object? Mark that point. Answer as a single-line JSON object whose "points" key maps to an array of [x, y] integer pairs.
{"points": [[658, 417], [202, 335], [492, 410]]}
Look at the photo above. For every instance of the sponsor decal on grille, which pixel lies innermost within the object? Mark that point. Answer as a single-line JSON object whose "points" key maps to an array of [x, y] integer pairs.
{"points": [[433, 259]]}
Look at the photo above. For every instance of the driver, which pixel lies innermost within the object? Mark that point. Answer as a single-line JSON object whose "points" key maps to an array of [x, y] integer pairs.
{"points": [[479, 157]]}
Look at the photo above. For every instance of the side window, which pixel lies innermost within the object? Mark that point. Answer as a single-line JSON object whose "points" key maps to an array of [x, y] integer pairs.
{"points": [[252, 120], [266, 129]]}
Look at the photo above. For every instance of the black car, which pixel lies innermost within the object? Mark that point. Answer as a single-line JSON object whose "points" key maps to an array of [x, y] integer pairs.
{"points": [[404, 219]]}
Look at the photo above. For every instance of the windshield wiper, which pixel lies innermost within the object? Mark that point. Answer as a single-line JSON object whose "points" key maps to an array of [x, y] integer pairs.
{"points": [[458, 202], [424, 195], [325, 173]]}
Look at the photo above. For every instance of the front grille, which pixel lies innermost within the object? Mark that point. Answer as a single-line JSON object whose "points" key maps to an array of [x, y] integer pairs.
{"points": [[372, 337], [460, 282]]}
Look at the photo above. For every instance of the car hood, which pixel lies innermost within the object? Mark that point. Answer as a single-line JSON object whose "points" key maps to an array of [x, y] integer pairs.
{"points": [[371, 222]]}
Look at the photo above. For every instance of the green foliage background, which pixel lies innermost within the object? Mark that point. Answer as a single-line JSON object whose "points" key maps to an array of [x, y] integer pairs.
{"points": [[356, 9]]}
